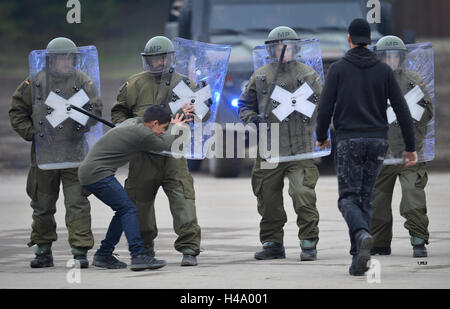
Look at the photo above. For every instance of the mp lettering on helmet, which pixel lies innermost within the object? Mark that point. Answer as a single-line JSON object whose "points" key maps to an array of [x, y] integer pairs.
{"points": [[283, 35], [155, 49], [391, 44]]}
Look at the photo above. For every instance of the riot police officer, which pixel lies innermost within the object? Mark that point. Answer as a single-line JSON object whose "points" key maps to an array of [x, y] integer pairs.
{"points": [[57, 147], [413, 180], [295, 136], [148, 172]]}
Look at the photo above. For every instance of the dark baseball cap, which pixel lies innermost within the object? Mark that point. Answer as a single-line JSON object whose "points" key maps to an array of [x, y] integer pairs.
{"points": [[359, 31]]}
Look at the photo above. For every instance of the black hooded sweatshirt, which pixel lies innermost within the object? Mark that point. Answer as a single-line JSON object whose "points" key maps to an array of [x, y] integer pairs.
{"points": [[356, 90]]}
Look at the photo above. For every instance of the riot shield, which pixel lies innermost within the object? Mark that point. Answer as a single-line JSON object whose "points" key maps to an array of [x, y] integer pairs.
{"points": [[288, 96], [416, 80], [195, 76], [62, 135]]}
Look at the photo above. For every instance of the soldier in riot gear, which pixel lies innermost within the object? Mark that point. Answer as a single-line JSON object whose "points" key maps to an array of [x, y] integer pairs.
{"points": [[295, 137], [413, 180], [58, 146], [148, 172]]}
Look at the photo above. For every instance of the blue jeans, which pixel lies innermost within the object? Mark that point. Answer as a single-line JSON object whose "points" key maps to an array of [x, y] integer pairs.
{"points": [[358, 162], [111, 192]]}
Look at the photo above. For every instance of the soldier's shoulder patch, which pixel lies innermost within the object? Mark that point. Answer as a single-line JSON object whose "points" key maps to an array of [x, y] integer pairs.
{"points": [[131, 81], [85, 84], [24, 85]]}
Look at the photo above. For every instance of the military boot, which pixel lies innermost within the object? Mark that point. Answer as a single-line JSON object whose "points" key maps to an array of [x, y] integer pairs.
{"points": [[271, 250], [419, 249], [80, 255], [43, 258], [309, 251], [189, 258], [82, 259]]}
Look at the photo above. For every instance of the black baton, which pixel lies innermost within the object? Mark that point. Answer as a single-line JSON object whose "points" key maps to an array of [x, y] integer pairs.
{"points": [[83, 111]]}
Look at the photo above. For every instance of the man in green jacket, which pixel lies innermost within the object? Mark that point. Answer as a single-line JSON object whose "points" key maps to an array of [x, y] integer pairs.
{"points": [[148, 172], [96, 174]]}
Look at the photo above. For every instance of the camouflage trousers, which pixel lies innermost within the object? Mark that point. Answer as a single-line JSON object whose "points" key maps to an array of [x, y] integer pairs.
{"points": [[358, 162], [268, 187], [43, 189], [412, 206], [149, 172]]}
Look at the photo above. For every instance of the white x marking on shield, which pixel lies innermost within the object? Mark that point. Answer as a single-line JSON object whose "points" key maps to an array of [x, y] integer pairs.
{"points": [[290, 102], [412, 98], [186, 95], [60, 112]]}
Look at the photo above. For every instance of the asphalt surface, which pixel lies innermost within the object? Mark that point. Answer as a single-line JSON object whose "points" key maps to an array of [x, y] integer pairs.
{"points": [[227, 214]]}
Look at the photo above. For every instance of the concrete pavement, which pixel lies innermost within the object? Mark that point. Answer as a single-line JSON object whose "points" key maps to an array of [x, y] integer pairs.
{"points": [[227, 214]]}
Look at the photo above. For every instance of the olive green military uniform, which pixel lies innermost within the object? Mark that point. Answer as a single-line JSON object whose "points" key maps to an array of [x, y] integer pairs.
{"points": [[43, 185], [148, 172], [412, 179], [295, 136]]}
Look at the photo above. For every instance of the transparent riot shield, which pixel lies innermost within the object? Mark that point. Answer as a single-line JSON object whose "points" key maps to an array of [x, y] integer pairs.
{"points": [[415, 77], [195, 75], [63, 136], [288, 97]]}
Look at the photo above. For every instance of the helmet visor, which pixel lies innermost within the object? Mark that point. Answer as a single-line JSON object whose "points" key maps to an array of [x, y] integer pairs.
{"points": [[157, 63], [393, 58], [63, 64], [274, 50]]}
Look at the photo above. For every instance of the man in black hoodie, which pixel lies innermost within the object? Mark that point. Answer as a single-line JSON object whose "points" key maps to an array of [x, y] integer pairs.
{"points": [[355, 94]]}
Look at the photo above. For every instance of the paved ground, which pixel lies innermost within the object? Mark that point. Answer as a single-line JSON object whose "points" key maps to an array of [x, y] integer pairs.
{"points": [[227, 213]]}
